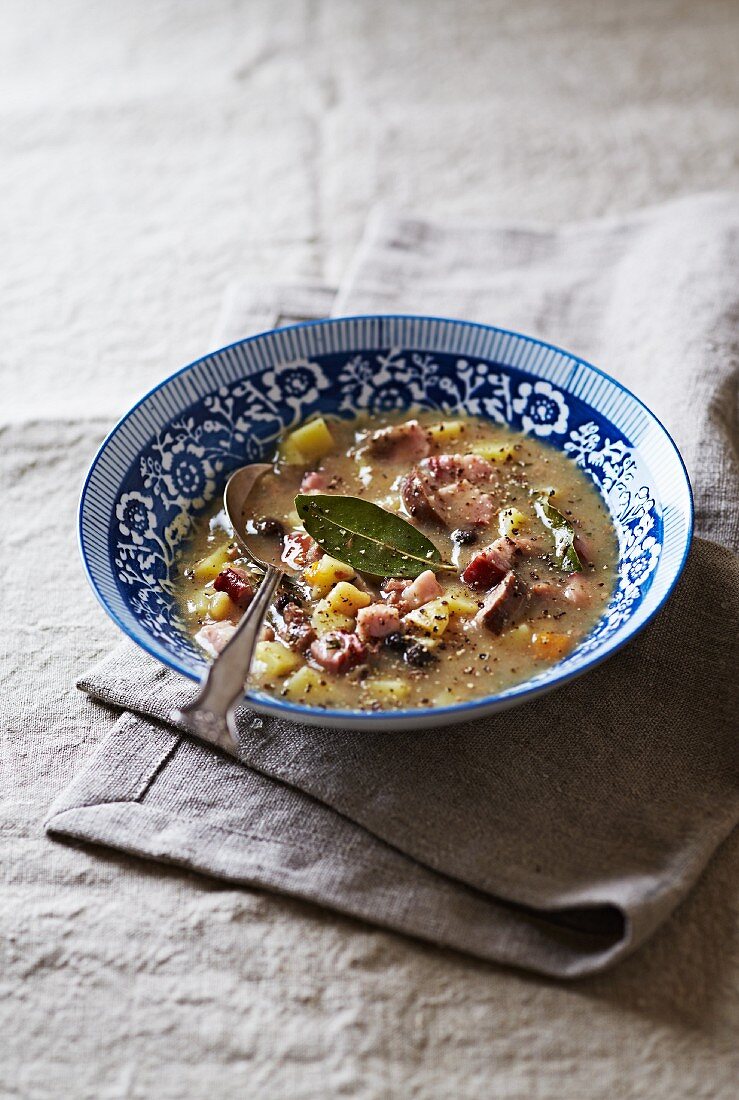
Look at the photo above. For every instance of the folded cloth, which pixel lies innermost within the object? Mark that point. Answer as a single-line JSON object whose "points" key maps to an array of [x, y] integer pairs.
{"points": [[556, 836]]}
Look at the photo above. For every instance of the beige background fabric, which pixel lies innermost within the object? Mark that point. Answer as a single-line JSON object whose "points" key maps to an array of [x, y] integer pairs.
{"points": [[597, 806], [150, 152]]}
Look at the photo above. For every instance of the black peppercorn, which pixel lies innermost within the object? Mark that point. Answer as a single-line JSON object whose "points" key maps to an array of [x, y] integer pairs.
{"points": [[418, 655], [464, 536]]}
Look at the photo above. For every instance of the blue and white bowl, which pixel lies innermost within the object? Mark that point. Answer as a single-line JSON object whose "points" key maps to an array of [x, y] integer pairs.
{"points": [[170, 455]]}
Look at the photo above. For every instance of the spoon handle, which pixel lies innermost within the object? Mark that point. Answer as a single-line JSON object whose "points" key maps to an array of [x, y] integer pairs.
{"points": [[211, 715]]}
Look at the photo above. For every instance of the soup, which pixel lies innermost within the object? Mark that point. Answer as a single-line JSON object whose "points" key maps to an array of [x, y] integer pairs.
{"points": [[500, 555]]}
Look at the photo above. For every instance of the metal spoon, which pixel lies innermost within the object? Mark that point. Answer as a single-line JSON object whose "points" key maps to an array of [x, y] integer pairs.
{"points": [[211, 715]]}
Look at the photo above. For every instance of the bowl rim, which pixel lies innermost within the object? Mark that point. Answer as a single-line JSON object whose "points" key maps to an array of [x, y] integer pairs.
{"points": [[431, 716]]}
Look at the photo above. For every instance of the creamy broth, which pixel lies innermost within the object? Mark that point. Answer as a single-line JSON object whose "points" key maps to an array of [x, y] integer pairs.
{"points": [[511, 607]]}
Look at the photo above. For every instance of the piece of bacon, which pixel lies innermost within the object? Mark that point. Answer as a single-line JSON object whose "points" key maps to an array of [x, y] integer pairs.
{"points": [[339, 651], [315, 481], [292, 623], [450, 489], [214, 637], [502, 603], [424, 588], [490, 565], [578, 591], [377, 621], [236, 584], [406, 442], [407, 594], [392, 590], [299, 549]]}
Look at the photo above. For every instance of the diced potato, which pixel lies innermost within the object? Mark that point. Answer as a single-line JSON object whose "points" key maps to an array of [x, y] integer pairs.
{"points": [[307, 685], [207, 569], [323, 574], [495, 452], [550, 646], [308, 443], [221, 606], [520, 635], [511, 521], [387, 692], [446, 431], [325, 619], [432, 618], [346, 599], [199, 604], [459, 603], [272, 661]]}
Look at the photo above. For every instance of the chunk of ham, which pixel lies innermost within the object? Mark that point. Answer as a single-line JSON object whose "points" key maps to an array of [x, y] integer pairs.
{"points": [[392, 590], [490, 565], [453, 490], [314, 482], [502, 603], [339, 651], [292, 624], [408, 595], [214, 637], [299, 550], [579, 590], [424, 588], [236, 584], [400, 443], [377, 621]]}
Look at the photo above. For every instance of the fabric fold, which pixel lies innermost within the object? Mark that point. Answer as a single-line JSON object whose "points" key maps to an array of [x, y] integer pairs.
{"points": [[556, 836]]}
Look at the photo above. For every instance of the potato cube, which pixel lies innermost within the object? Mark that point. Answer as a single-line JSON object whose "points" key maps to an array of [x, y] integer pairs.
{"points": [[272, 661], [308, 443], [307, 685], [511, 521], [199, 604], [461, 603], [346, 599], [431, 619], [446, 431], [550, 646], [207, 569], [388, 693], [323, 574], [495, 452], [520, 636], [221, 606], [325, 619]]}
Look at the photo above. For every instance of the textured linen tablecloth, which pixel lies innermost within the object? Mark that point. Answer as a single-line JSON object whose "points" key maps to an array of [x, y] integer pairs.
{"points": [[556, 836], [150, 153]]}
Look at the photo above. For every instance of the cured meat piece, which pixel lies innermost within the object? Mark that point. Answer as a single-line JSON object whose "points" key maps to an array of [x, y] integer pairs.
{"points": [[424, 588], [339, 651], [502, 603], [377, 621], [236, 584], [215, 637], [579, 591], [299, 550], [292, 623], [452, 490], [314, 482], [392, 590], [401, 443], [407, 594], [491, 564]]}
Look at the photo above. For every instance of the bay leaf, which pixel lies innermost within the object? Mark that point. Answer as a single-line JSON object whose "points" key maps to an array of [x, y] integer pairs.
{"points": [[564, 535], [368, 537]]}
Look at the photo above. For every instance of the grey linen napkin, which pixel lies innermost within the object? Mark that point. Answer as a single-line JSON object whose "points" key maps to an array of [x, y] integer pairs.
{"points": [[556, 836]]}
